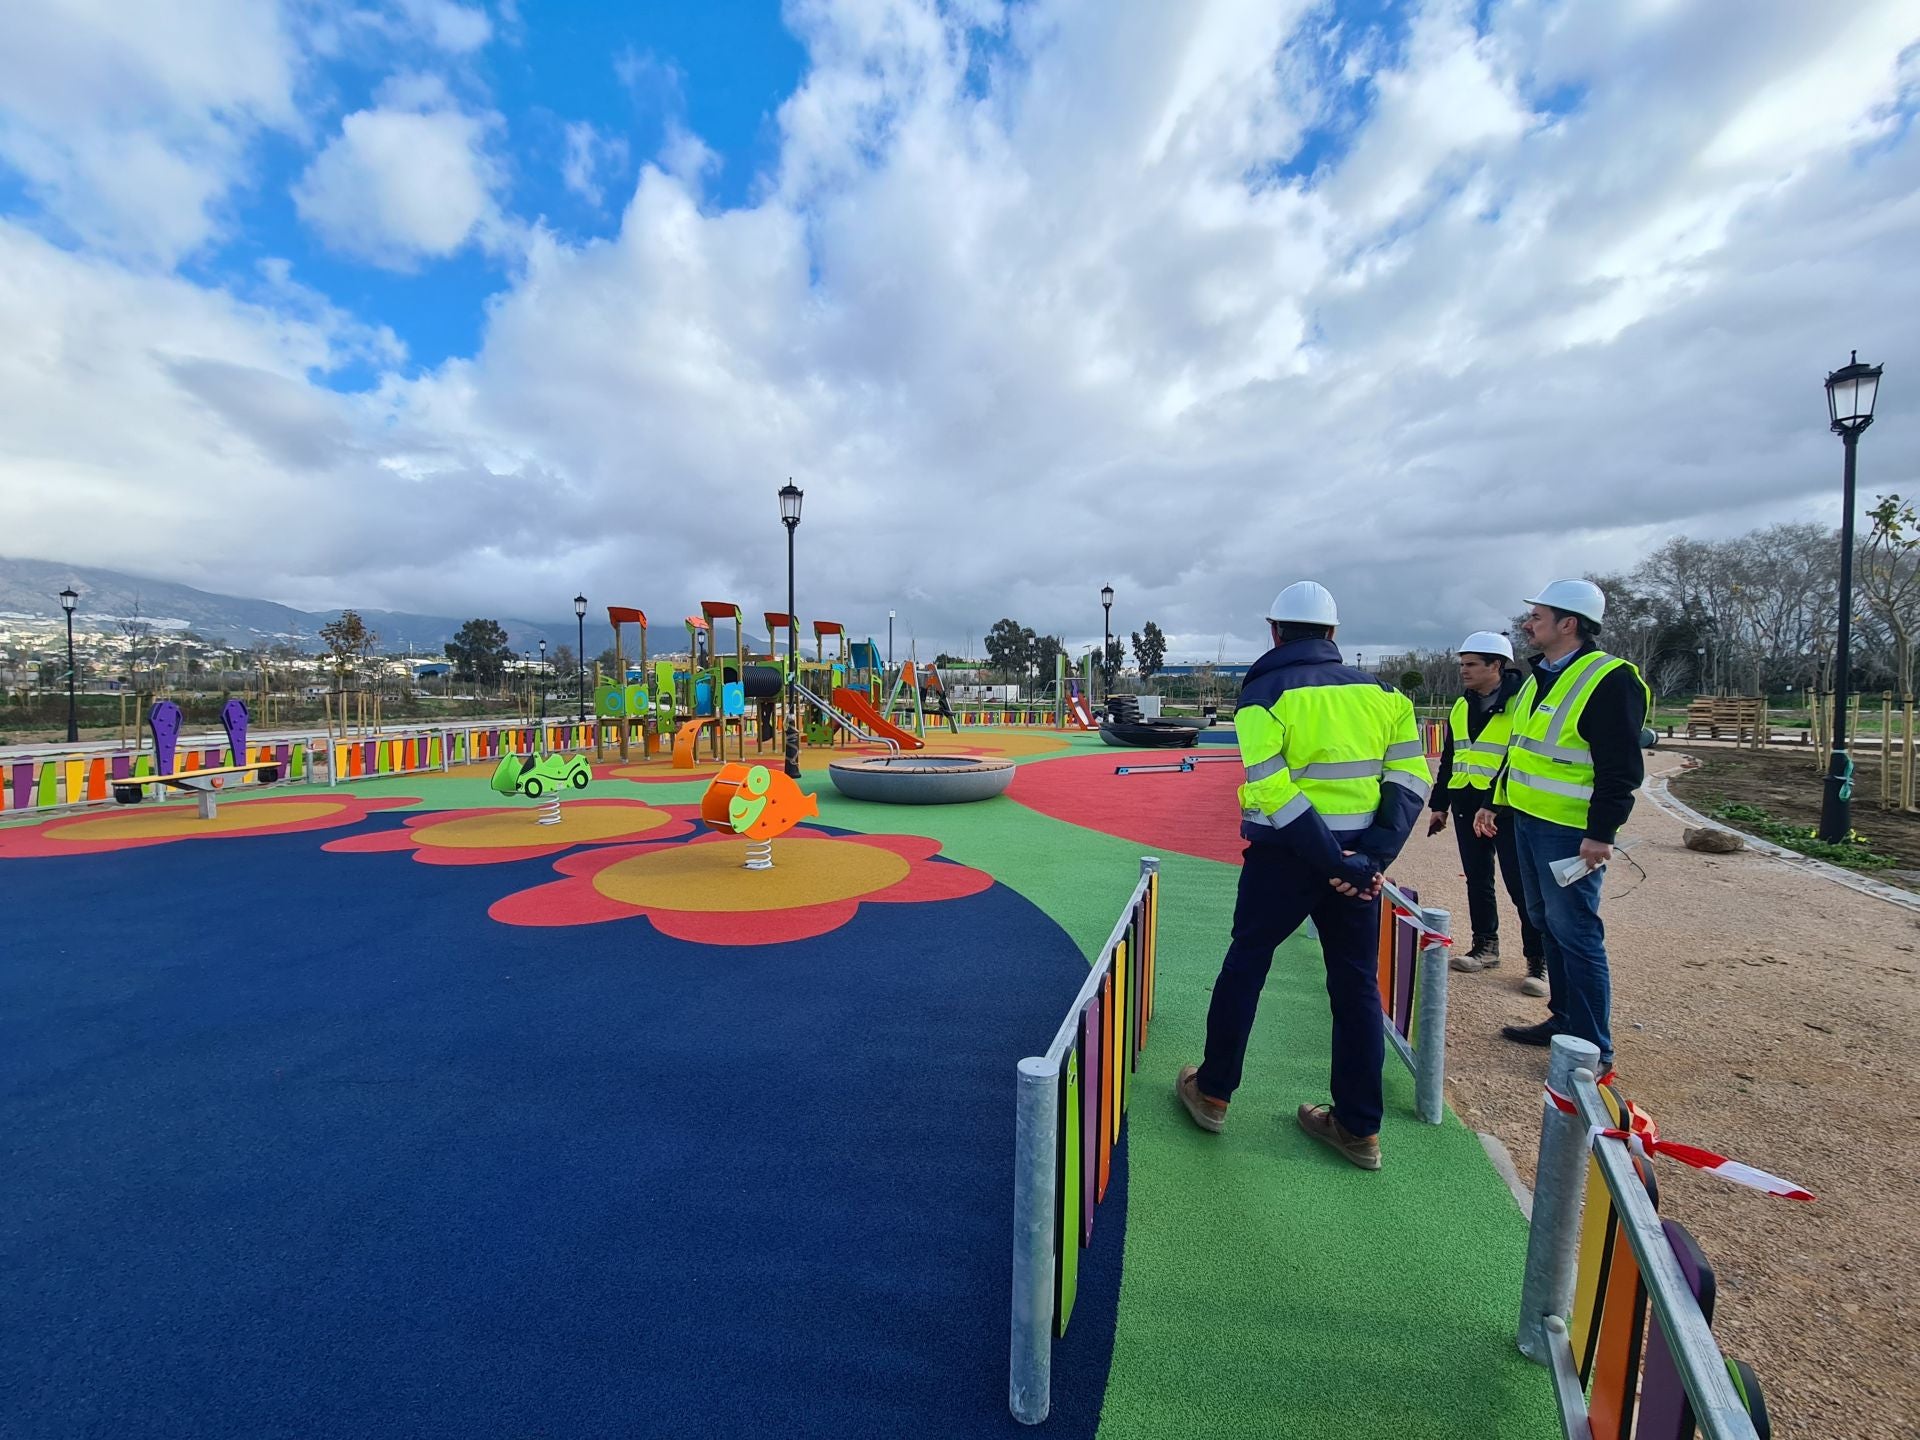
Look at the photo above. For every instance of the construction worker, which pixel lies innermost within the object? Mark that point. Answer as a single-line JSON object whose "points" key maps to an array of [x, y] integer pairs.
{"points": [[1573, 764], [1471, 757], [1336, 777]]}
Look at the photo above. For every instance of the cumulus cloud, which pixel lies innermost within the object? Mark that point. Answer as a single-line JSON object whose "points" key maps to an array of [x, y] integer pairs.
{"points": [[1190, 300], [130, 123], [409, 180]]}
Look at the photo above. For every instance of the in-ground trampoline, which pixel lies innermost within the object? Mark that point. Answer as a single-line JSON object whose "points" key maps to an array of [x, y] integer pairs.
{"points": [[921, 779]]}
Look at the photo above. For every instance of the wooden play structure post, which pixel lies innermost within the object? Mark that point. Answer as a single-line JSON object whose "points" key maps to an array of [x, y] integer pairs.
{"points": [[624, 715]]}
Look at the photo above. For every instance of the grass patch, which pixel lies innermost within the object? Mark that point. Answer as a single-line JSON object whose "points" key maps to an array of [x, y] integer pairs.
{"points": [[1851, 852]]}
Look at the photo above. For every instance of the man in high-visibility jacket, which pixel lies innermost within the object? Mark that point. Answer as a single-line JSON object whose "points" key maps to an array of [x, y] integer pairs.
{"points": [[1471, 758], [1336, 778], [1573, 764]]}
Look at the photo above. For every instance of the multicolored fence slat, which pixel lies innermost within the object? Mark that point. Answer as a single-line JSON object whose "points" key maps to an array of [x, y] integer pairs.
{"points": [[60, 781], [1615, 1368], [1073, 1103]]}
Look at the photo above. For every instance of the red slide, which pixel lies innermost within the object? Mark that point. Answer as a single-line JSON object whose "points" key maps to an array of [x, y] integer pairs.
{"points": [[856, 707]]}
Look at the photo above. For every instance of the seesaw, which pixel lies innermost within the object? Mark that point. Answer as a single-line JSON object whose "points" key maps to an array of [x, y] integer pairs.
{"points": [[164, 721], [1185, 767]]}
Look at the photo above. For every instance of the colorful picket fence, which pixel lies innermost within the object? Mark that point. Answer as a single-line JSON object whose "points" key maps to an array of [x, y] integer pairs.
{"points": [[1072, 1108], [1635, 1354], [1411, 966], [57, 782], [991, 719], [60, 781]]}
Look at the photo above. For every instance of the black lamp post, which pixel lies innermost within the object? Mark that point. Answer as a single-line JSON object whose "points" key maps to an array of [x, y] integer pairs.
{"points": [[1851, 391], [67, 598], [580, 655], [790, 498], [543, 692], [889, 639], [1106, 647]]}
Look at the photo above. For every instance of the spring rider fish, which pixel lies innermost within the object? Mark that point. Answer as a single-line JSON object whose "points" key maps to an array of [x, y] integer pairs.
{"points": [[757, 803]]}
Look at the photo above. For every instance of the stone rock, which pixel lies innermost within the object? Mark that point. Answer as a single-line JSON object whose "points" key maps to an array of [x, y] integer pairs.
{"points": [[1711, 841]]}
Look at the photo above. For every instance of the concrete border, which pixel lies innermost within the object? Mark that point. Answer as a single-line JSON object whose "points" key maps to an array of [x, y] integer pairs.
{"points": [[1656, 791], [1503, 1165]]}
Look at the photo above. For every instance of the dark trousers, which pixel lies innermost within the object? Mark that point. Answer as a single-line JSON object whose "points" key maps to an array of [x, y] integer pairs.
{"points": [[1478, 859], [1276, 895]]}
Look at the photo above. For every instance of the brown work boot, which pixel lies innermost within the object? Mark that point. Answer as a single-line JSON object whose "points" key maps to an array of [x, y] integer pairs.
{"points": [[1205, 1111], [1362, 1150]]}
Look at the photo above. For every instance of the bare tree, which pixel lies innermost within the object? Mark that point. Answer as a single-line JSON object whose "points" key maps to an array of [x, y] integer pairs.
{"points": [[1890, 580]]}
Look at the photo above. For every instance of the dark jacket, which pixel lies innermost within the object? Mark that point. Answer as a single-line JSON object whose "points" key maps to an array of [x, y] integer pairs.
{"points": [[1615, 715], [1478, 713], [1294, 666]]}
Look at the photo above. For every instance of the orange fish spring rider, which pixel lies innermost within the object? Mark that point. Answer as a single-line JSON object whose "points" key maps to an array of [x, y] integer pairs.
{"points": [[757, 803]]}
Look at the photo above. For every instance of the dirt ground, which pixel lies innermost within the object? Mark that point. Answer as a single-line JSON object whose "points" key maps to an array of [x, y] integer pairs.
{"points": [[1774, 1017], [1790, 787]]}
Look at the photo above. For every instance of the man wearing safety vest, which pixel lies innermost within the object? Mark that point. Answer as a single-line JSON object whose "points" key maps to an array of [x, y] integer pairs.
{"points": [[1471, 758], [1336, 778], [1573, 764]]}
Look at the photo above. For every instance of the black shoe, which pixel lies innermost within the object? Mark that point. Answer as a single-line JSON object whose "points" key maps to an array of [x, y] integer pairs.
{"points": [[1484, 955], [1541, 1034]]}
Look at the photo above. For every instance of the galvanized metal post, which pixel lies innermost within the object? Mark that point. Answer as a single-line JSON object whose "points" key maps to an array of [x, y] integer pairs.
{"points": [[1035, 1136], [1559, 1183], [1430, 1059]]}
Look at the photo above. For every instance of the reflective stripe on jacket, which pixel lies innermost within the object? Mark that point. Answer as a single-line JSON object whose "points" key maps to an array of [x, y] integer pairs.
{"points": [[1477, 762], [1549, 763], [1334, 759]]}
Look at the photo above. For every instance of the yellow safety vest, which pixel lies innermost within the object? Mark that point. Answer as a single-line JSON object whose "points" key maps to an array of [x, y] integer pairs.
{"points": [[1329, 749], [1476, 762], [1549, 766]]}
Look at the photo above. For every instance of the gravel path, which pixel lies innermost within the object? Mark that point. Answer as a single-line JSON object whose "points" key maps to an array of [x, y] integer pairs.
{"points": [[1774, 1017]]}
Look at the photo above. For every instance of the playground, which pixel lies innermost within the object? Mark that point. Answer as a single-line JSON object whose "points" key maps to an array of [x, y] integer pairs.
{"points": [[594, 1080]]}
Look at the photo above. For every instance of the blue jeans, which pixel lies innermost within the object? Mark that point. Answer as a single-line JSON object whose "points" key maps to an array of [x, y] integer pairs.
{"points": [[1568, 916], [1276, 897]]}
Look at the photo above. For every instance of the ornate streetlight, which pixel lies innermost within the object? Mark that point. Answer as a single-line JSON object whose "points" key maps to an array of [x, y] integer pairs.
{"points": [[790, 498], [1851, 392], [580, 655], [1106, 647], [67, 598]]}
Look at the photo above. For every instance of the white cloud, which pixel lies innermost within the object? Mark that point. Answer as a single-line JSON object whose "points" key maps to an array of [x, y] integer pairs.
{"points": [[399, 185], [130, 123], [590, 155], [455, 28], [1060, 310]]}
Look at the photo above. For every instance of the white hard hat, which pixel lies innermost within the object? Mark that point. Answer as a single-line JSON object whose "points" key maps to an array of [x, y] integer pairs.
{"points": [[1486, 642], [1576, 597], [1305, 602]]}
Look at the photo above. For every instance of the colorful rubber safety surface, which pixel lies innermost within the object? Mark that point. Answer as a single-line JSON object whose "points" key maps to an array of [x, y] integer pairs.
{"points": [[386, 1110]]}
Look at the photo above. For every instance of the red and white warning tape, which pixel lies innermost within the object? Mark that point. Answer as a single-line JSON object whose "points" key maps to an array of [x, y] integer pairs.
{"points": [[1644, 1136], [1409, 913]]}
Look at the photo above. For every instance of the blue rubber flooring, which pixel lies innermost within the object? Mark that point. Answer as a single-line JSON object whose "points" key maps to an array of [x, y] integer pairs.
{"points": [[304, 1145]]}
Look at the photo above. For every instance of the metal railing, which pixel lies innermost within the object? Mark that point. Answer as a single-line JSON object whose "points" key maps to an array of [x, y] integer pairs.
{"points": [[1413, 993], [1071, 1104], [1567, 1141]]}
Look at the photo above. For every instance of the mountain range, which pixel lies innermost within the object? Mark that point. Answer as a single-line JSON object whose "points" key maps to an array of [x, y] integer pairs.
{"points": [[31, 589]]}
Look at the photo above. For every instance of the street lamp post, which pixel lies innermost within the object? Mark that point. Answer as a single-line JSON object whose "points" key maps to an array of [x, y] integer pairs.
{"points": [[67, 598], [580, 655], [889, 639], [543, 692], [790, 497], [1106, 646], [1851, 392]]}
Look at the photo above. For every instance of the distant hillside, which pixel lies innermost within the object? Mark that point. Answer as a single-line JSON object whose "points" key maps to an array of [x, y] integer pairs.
{"points": [[32, 587]]}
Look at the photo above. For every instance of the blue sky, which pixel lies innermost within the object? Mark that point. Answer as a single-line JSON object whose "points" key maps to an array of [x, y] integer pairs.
{"points": [[631, 70], [451, 304]]}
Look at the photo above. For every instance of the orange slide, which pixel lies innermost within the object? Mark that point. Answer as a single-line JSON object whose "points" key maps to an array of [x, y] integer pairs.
{"points": [[686, 740], [856, 707]]}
